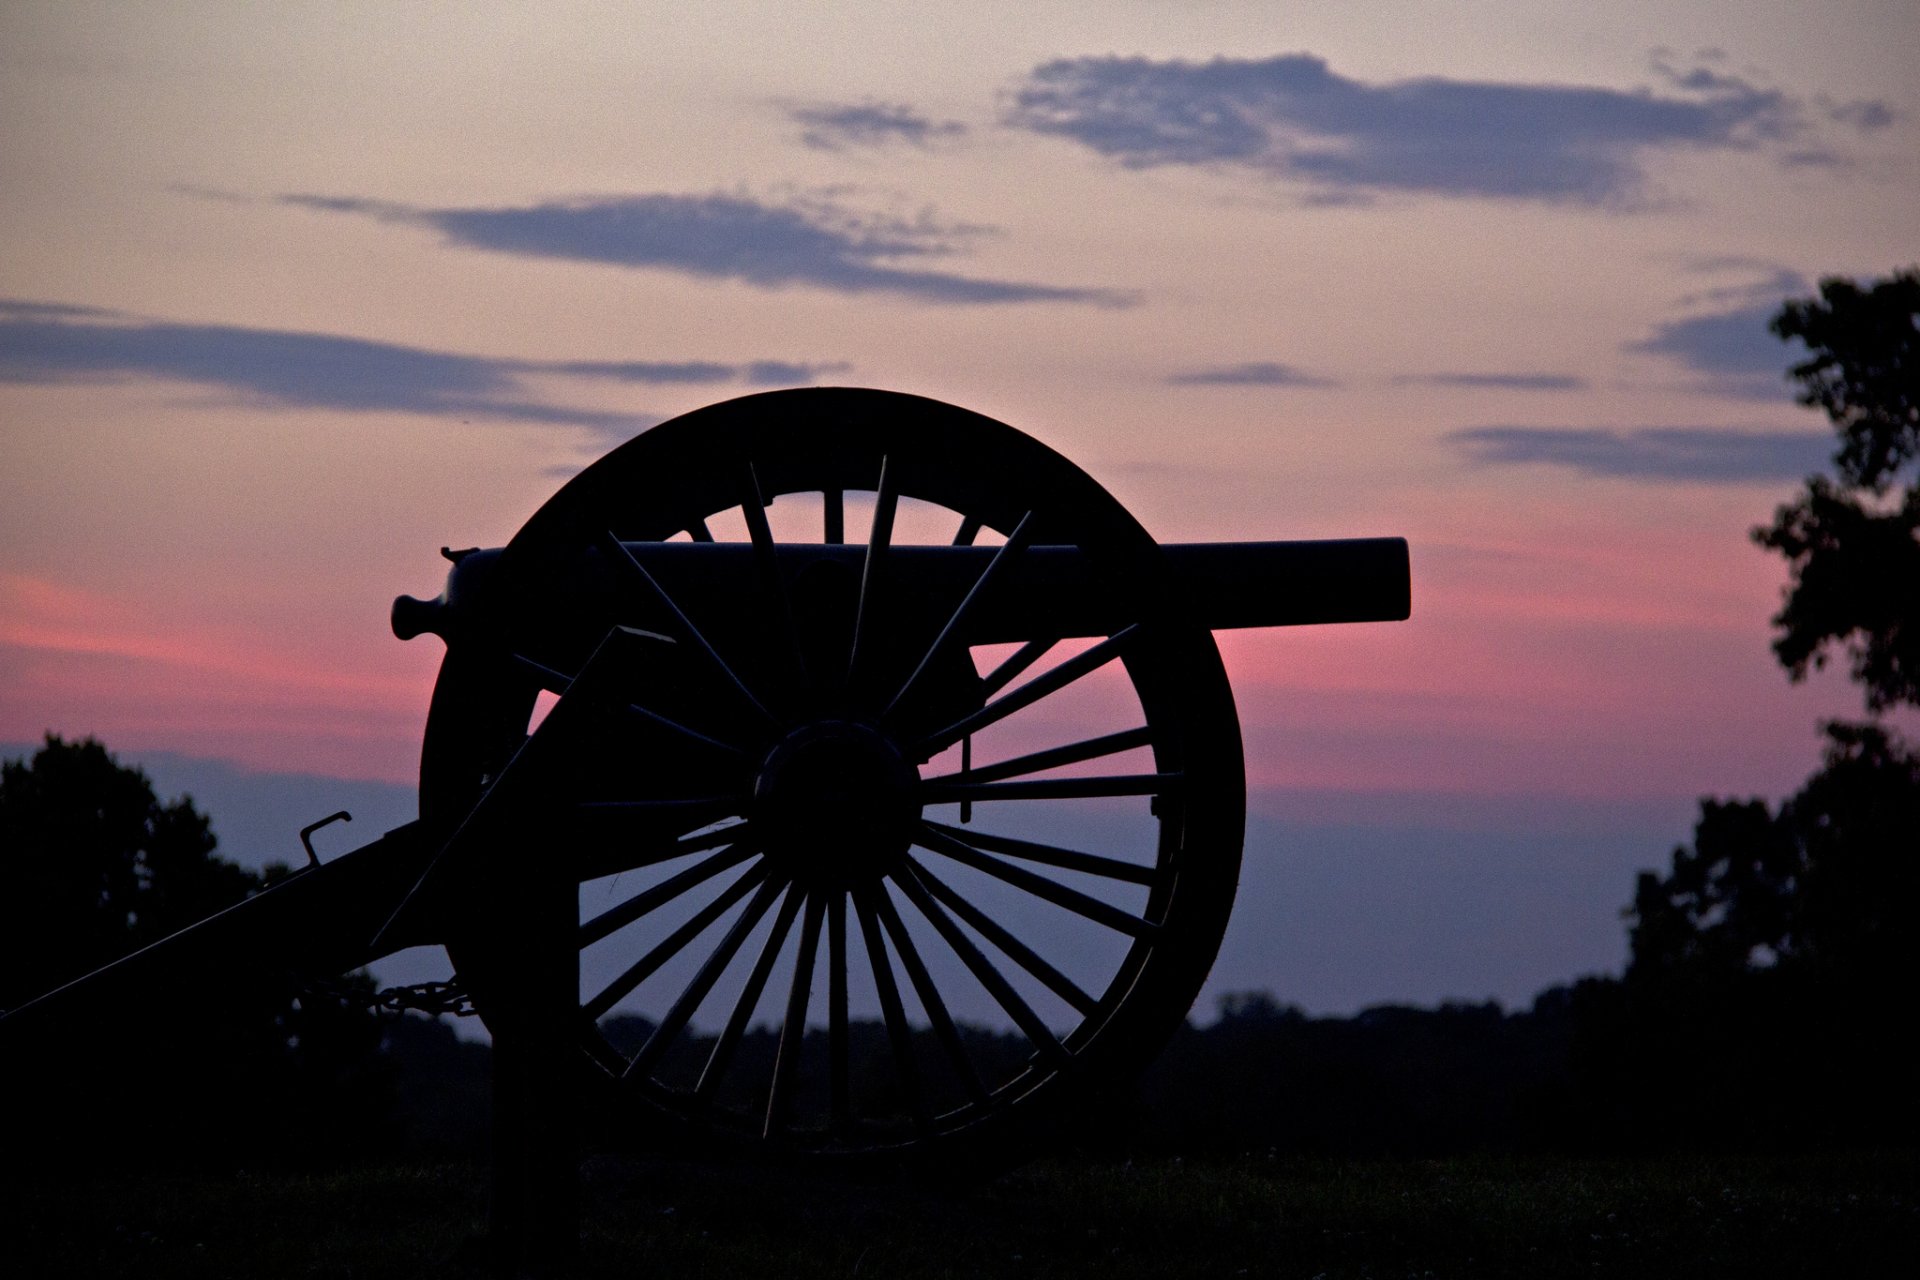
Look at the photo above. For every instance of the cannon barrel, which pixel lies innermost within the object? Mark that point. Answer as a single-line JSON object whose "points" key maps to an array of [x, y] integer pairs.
{"points": [[1046, 590]]}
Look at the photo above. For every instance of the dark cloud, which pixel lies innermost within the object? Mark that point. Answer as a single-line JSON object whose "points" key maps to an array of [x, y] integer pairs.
{"points": [[1866, 115], [758, 373], [727, 237], [282, 369], [1766, 282], [22, 309], [779, 373], [839, 126], [1729, 347], [271, 367], [1257, 373], [1502, 381], [654, 372], [1293, 117], [1731, 351], [1697, 455]]}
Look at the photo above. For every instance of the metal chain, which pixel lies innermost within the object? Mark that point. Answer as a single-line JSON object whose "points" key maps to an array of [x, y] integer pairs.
{"points": [[431, 998]]}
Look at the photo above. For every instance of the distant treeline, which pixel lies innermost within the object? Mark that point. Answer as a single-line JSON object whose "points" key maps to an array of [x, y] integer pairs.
{"points": [[1607, 1065], [1602, 1066], [1597, 1067], [1764, 1007]]}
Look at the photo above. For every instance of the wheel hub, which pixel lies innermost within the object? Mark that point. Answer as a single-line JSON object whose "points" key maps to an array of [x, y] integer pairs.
{"points": [[835, 800]]}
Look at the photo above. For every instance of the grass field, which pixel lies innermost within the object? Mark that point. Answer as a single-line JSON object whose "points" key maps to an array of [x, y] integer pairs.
{"points": [[1818, 1217]]}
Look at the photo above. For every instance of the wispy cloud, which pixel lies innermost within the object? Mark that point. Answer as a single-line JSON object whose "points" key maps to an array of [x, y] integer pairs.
{"points": [[780, 373], [1726, 343], [1499, 381], [44, 342], [759, 373], [1756, 281], [1731, 351], [1867, 115], [828, 126], [27, 309], [1696, 455], [804, 242], [1256, 373], [1293, 117]]}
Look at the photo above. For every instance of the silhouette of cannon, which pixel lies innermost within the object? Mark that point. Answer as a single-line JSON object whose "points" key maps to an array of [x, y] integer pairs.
{"points": [[785, 750]]}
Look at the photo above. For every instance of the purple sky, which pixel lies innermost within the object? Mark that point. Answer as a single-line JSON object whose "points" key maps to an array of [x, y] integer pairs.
{"points": [[288, 300]]}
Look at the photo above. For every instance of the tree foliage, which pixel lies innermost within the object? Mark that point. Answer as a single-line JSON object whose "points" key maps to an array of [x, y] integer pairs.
{"points": [[1765, 963], [94, 866], [1824, 880], [1826, 883], [1852, 541]]}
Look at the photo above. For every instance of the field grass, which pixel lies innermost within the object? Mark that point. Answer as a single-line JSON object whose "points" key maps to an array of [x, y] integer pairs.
{"points": [[1826, 1217]]}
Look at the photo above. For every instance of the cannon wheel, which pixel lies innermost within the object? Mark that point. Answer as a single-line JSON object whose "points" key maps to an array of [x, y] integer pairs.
{"points": [[811, 856]]}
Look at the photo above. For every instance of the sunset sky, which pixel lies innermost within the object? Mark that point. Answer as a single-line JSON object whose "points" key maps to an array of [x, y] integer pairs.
{"points": [[291, 296]]}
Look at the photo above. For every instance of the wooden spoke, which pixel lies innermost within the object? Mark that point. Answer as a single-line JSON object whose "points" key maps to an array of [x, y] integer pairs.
{"points": [[598, 862], [1016, 662], [886, 502], [723, 1049], [1054, 758], [840, 1106], [793, 1028], [1042, 685], [982, 969], [675, 942], [718, 959], [550, 680], [1051, 855], [833, 516], [899, 1034], [966, 769], [659, 721], [930, 1000], [1039, 886], [969, 530], [1016, 543], [753, 506], [617, 553], [699, 532], [1127, 784], [1014, 949], [666, 891]]}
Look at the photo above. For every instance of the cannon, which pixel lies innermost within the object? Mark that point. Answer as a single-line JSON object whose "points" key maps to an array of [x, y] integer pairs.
{"points": [[786, 751]]}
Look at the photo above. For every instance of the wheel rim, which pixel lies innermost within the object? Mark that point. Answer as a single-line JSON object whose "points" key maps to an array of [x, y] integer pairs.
{"points": [[839, 875]]}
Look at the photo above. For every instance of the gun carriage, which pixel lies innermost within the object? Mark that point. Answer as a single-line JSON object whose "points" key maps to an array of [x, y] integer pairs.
{"points": [[814, 723]]}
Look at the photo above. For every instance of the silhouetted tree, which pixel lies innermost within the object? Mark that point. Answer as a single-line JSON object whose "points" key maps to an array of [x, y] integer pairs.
{"points": [[1829, 880], [1852, 540], [1818, 879], [1765, 963], [94, 866]]}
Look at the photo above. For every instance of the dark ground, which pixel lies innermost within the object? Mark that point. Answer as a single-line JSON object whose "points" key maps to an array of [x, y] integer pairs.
{"points": [[1829, 1216]]}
